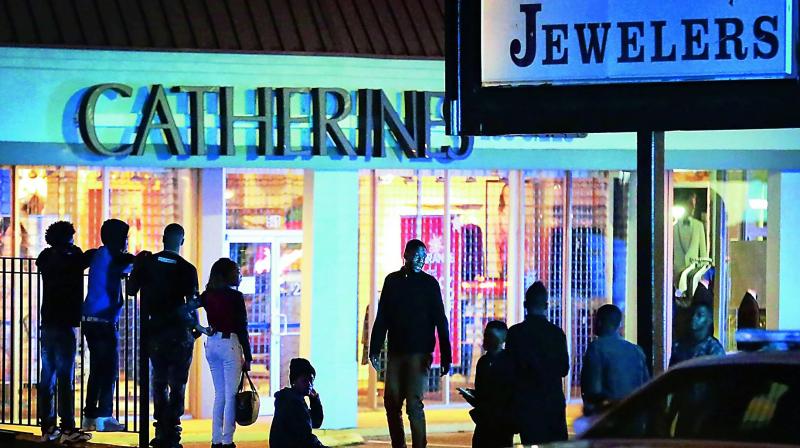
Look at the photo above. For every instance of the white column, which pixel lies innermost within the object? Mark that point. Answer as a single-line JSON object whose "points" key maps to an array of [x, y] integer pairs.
{"points": [[329, 301], [210, 247], [783, 251]]}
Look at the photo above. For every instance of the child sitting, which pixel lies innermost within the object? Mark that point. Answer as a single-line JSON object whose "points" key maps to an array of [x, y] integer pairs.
{"points": [[492, 394], [293, 420]]}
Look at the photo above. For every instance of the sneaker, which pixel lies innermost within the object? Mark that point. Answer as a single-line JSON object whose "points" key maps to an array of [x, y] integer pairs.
{"points": [[109, 424], [50, 434], [89, 424], [74, 435]]}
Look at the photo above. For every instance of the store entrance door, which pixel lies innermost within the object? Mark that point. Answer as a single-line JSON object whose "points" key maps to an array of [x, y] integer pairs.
{"points": [[271, 282]]}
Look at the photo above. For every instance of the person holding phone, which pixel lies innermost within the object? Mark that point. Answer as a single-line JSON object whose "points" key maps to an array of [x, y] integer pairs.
{"points": [[227, 347], [410, 312]]}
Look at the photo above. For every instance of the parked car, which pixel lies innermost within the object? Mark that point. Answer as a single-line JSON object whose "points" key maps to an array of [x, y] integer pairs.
{"points": [[744, 399]]}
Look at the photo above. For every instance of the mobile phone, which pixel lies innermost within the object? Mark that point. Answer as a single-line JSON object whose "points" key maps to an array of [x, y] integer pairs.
{"points": [[465, 392]]}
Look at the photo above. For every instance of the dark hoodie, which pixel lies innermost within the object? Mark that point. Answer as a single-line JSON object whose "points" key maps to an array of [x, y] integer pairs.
{"points": [[293, 421]]}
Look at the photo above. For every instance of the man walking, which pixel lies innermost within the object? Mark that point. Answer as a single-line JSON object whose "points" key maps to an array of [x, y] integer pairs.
{"points": [[168, 285], [612, 366], [411, 311], [61, 266], [539, 351]]}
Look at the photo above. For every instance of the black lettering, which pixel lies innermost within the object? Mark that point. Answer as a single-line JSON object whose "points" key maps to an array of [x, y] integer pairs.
{"points": [[197, 112], [555, 42], [767, 37], [329, 126], [694, 39], [386, 115], [630, 41], [263, 118], [595, 46], [734, 37], [425, 121], [366, 123], [285, 120], [530, 12], [462, 152], [86, 119], [658, 30], [156, 104]]}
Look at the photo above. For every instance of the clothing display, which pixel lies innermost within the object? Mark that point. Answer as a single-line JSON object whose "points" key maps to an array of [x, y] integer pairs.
{"points": [[689, 242]]}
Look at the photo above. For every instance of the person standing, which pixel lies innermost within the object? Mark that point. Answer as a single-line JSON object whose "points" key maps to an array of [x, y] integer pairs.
{"points": [[101, 311], [612, 367], [494, 381], [169, 288], [227, 347], [700, 340], [410, 312], [61, 266], [539, 352]]}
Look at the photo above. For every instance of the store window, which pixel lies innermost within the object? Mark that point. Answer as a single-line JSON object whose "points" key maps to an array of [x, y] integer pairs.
{"points": [[264, 212], [463, 218], [144, 198], [264, 199], [719, 221]]}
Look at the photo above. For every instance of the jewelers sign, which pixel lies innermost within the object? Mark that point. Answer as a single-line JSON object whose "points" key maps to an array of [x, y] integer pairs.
{"points": [[573, 42]]}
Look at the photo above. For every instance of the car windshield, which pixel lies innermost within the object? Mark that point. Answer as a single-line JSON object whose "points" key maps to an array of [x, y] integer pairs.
{"points": [[748, 403]]}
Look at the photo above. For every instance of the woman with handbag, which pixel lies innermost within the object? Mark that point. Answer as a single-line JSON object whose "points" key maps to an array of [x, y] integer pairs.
{"points": [[227, 347]]}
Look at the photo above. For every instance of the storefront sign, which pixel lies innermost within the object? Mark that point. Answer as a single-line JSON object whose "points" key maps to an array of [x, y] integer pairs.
{"points": [[274, 115], [613, 41]]}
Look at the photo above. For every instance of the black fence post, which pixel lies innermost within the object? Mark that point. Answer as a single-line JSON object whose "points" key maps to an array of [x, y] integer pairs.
{"points": [[144, 380]]}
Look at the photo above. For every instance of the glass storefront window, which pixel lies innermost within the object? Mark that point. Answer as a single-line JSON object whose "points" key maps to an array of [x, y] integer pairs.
{"points": [[719, 249], [264, 199]]}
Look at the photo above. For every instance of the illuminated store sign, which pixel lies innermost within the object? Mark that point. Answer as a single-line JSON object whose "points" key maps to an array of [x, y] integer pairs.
{"points": [[275, 114], [616, 41]]}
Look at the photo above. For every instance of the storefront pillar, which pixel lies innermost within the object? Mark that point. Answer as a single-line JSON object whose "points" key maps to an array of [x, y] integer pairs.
{"points": [[783, 251], [330, 291], [210, 247]]}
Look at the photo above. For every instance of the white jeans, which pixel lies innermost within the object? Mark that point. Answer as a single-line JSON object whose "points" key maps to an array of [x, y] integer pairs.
{"points": [[225, 360]]}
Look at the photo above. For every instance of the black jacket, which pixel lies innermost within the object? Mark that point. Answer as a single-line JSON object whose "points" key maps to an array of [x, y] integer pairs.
{"points": [[410, 310], [167, 282], [494, 389], [62, 284], [539, 352], [293, 421]]}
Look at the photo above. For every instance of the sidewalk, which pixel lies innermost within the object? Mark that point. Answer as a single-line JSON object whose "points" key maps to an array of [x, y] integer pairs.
{"points": [[370, 424]]}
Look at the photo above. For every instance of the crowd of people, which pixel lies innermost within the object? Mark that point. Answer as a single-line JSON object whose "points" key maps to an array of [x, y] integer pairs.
{"points": [[518, 381], [518, 384], [169, 296]]}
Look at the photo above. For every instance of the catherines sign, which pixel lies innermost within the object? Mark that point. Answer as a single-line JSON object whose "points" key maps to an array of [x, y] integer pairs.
{"points": [[616, 41], [275, 114]]}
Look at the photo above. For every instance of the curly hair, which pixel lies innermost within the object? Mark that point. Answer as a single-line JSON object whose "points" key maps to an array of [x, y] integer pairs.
{"points": [[59, 233]]}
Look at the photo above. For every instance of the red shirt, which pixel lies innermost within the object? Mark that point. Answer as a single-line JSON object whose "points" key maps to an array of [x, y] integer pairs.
{"points": [[227, 314]]}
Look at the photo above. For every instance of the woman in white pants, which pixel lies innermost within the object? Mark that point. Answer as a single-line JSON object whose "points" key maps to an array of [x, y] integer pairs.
{"points": [[228, 346]]}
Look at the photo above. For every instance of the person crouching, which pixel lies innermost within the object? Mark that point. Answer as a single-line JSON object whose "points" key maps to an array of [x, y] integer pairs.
{"points": [[294, 419]]}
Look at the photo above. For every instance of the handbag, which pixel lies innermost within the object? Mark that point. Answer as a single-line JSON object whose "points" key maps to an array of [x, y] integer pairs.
{"points": [[247, 402]]}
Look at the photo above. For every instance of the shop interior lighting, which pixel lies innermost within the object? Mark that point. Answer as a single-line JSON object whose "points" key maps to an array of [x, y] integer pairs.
{"points": [[229, 194], [758, 204], [678, 212]]}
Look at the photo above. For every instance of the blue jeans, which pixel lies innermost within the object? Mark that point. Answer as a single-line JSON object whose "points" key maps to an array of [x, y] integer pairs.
{"points": [[58, 363], [103, 341]]}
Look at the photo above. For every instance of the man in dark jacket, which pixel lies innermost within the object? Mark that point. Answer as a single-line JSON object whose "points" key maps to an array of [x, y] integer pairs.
{"points": [[410, 310], [539, 351], [612, 367], [61, 266], [168, 285], [294, 419]]}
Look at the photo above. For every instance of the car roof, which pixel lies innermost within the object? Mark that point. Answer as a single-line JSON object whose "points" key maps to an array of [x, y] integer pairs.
{"points": [[786, 358]]}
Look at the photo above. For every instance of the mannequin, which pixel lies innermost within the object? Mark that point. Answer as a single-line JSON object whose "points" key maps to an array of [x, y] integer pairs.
{"points": [[689, 235]]}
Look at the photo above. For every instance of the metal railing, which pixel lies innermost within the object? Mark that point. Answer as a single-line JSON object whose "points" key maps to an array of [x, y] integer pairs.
{"points": [[20, 362]]}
